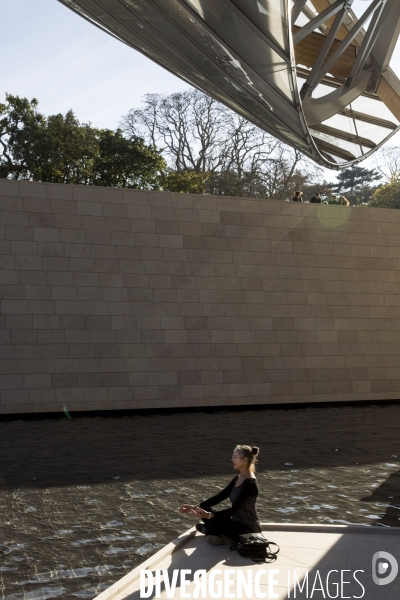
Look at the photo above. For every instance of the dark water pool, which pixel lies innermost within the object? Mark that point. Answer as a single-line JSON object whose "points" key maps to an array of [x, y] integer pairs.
{"points": [[85, 500]]}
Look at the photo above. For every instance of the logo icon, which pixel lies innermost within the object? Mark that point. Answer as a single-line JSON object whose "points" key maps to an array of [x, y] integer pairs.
{"points": [[381, 561]]}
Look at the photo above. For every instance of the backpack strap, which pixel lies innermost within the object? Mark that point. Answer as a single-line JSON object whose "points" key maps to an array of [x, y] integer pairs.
{"points": [[270, 551]]}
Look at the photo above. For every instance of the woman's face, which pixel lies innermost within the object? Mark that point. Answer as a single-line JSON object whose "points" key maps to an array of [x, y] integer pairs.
{"points": [[238, 461]]}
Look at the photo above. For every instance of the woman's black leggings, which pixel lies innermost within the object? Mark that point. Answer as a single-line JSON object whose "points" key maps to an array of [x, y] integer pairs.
{"points": [[225, 526]]}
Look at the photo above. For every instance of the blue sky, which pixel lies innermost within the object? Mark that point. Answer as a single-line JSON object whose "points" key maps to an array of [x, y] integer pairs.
{"points": [[65, 62]]}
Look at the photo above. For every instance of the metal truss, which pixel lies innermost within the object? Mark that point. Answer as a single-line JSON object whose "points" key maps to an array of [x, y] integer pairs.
{"points": [[307, 71]]}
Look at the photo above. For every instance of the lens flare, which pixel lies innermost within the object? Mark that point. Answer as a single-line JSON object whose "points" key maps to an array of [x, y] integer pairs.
{"points": [[66, 411], [332, 217]]}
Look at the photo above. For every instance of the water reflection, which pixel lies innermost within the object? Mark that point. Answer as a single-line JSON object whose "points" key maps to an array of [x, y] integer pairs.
{"points": [[84, 500]]}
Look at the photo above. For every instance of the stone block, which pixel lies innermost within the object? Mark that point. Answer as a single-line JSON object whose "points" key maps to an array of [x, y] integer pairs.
{"points": [[99, 322], [15, 398], [11, 204], [81, 265], [144, 226], [9, 187], [102, 251], [77, 250], [11, 382], [121, 397], [183, 201], [68, 307], [72, 236], [138, 211], [23, 351], [19, 321], [53, 249], [41, 220], [60, 365], [93, 224], [106, 336], [125, 322], [54, 351], [9, 277], [120, 379], [14, 219], [37, 204], [7, 262], [93, 209], [42, 397], [23, 336], [37, 380], [70, 395], [28, 263], [118, 224], [63, 206], [85, 193], [124, 238]]}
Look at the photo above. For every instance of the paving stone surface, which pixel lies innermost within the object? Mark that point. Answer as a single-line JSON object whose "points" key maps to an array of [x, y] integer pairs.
{"points": [[314, 562]]}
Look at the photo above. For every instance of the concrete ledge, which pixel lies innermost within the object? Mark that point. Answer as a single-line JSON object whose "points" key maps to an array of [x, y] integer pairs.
{"points": [[128, 585], [149, 564]]}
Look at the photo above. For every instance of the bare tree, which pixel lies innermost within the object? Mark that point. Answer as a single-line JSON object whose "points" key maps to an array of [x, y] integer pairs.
{"points": [[387, 161], [197, 134], [189, 127]]}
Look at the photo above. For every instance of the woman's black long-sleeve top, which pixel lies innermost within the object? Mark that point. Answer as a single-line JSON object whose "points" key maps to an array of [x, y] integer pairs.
{"points": [[243, 498]]}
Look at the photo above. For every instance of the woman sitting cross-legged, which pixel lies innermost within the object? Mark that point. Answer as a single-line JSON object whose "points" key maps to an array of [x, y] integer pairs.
{"points": [[225, 526]]}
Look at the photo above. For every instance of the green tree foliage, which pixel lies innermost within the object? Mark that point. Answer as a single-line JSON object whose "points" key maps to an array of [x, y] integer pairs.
{"points": [[129, 163], [64, 151], [387, 196], [355, 183], [20, 124], [188, 182], [60, 149]]}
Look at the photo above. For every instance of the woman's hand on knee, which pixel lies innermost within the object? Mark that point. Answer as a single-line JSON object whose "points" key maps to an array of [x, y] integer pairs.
{"points": [[186, 508], [200, 512]]}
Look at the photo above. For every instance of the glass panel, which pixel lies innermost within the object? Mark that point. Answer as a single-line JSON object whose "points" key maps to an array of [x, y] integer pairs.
{"points": [[230, 26], [341, 122], [363, 104], [349, 146], [367, 130], [301, 20], [395, 61], [374, 108], [270, 18], [372, 132], [223, 56], [322, 90], [146, 32], [192, 65]]}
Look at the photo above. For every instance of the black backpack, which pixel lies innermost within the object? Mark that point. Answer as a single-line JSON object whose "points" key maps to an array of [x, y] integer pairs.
{"points": [[256, 546]]}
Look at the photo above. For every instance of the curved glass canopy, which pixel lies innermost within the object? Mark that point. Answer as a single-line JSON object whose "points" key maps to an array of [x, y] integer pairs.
{"points": [[307, 71]]}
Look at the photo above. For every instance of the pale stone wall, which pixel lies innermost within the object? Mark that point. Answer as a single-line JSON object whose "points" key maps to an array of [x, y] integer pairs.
{"points": [[116, 299]]}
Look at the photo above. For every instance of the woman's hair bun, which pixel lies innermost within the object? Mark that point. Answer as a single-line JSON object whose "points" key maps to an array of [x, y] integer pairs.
{"points": [[255, 450]]}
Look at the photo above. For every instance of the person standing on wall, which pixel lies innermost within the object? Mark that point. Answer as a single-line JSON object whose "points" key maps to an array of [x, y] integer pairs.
{"points": [[316, 199], [298, 196]]}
